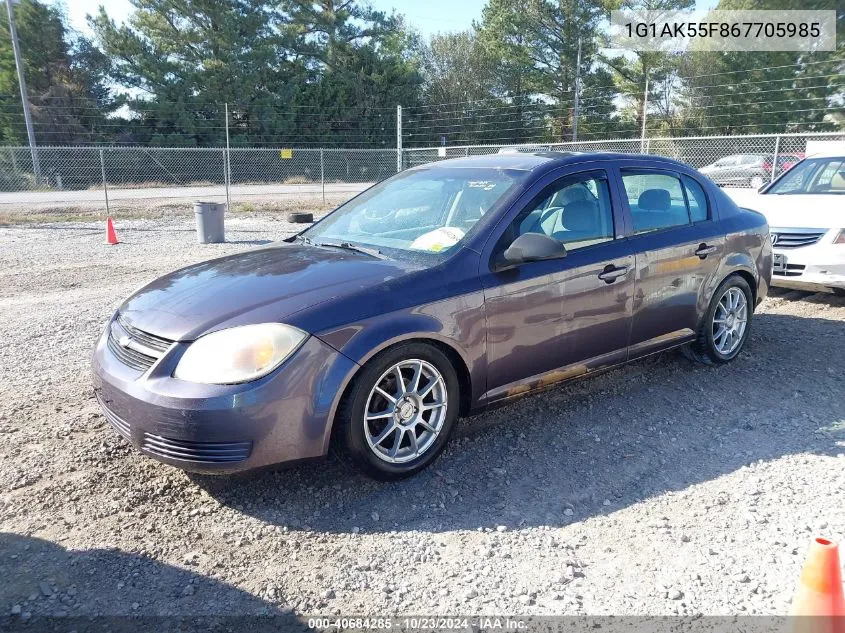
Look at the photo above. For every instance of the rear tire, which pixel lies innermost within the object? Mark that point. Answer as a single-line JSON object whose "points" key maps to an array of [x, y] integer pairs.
{"points": [[392, 429], [755, 182], [726, 324]]}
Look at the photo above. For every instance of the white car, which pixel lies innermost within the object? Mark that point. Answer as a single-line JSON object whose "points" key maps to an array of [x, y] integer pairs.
{"points": [[805, 209]]}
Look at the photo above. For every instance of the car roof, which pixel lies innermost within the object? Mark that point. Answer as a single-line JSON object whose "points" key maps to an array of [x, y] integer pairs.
{"points": [[530, 161], [828, 154]]}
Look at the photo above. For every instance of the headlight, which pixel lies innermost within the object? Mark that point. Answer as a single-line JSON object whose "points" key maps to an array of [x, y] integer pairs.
{"points": [[840, 238], [238, 354]]}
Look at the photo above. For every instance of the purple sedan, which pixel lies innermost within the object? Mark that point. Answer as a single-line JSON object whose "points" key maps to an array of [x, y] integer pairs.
{"points": [[447, 289]]}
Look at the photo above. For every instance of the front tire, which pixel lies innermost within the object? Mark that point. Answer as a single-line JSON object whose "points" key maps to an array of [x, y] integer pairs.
{"points": [[726, 324], [400, 411]]}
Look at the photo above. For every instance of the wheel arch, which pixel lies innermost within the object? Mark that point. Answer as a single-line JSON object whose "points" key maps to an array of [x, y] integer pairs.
{"points": [[729, 268], [742, 264], [450, 351], [752, 283], [740, 270]]}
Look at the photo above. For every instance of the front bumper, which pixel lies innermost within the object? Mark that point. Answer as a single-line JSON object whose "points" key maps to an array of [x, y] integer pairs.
{"points": [[285, 416], [820, 267]]}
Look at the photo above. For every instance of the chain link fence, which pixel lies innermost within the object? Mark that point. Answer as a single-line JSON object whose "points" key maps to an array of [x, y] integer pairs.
{"points": [[732, 161], [143, 178]]}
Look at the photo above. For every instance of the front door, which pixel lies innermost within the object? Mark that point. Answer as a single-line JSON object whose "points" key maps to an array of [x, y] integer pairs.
{"points": [[550, 320]]}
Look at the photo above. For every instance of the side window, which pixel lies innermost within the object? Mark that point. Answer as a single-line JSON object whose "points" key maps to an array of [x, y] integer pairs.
{"points": [[656, 200], [830, 178], [577, 213], [696, 199]]}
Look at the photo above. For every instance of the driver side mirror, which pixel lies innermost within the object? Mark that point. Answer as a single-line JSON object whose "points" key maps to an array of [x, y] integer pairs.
{"points": [[533, 247]]}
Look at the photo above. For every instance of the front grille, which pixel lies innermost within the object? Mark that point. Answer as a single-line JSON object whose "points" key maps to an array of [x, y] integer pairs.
{"points": [[119, 424], [148, 340], [198, 452], [134, 348], [792, 270], [793, 238]]}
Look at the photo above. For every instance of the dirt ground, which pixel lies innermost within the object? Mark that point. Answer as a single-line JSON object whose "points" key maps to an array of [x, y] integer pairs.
{"points": [[664, 487]]}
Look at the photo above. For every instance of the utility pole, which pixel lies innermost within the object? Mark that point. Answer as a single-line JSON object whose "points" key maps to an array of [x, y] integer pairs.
{"points": [[398, 138], [36, 167], [577, 94], [645, 110]]}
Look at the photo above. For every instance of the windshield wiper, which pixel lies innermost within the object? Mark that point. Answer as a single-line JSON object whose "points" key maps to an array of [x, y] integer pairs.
{"points": [[372, 252]]}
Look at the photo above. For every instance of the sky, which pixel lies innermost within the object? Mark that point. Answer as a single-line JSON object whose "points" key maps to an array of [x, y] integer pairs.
{"points": [[429, 17]]}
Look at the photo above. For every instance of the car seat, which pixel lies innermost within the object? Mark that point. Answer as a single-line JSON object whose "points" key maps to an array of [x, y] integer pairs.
{"points": [[579, 221]]}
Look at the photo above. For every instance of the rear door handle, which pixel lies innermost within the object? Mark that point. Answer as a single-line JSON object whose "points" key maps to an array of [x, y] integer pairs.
{"points": [[704, 250], [611, 273]]}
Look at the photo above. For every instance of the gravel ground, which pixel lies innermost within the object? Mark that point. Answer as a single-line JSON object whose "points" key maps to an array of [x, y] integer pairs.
{"points": [[661, 488]]}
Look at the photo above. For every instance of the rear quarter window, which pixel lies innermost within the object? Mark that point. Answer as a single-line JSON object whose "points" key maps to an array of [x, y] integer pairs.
{"points": [[697, 199]]}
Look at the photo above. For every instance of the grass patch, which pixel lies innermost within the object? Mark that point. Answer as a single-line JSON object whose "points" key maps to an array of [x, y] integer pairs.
{"points": [[297, 180]]}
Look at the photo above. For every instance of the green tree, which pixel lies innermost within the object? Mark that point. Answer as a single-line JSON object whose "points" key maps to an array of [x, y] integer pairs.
{"points": [[459, 93], [293, 72], [765, 92], [361, 64], [67, 98], [188, 58], [638, 71], [537, 41]]}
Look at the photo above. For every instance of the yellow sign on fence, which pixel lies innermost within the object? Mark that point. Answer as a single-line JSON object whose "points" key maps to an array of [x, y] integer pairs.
{"points": [[286, 153]]}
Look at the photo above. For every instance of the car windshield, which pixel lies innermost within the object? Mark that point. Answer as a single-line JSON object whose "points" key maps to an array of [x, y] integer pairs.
{"points": [[427, 210], [813, 176]]}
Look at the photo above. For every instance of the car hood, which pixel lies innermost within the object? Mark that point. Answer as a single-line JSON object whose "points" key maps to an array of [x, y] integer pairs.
{"points": [[813, 211], [263, 285]]}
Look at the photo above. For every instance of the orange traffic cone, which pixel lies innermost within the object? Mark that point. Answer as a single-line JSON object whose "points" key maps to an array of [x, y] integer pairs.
{"points": [[111, 236], [819, 593]]}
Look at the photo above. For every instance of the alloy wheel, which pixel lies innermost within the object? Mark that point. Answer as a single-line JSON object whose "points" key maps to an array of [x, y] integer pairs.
{"points": [[729, 321], [405, 411]]}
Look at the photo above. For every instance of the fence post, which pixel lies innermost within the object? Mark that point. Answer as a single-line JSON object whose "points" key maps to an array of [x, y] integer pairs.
{"points": [[398, 138], [322, 176], [647, 146], [226, 177], [775, 157], [105, 184], [227, 161]]}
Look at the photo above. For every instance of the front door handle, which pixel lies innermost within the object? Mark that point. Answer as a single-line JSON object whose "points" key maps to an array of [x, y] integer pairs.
{"points": [[704, 250], [611, 273]]}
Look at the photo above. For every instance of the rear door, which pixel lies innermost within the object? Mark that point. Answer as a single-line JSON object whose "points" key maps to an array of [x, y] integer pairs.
{"points": [[678, 246]]}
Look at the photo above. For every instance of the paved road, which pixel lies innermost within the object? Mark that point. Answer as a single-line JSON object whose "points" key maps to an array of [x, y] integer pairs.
{"points": [[36, 199]]}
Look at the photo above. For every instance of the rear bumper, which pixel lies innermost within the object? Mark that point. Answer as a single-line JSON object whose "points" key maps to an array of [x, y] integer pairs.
{"points": [[283, 417]]}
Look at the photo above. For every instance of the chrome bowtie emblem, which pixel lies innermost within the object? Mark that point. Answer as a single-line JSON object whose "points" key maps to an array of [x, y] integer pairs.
{"points": [[123, 341]]}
